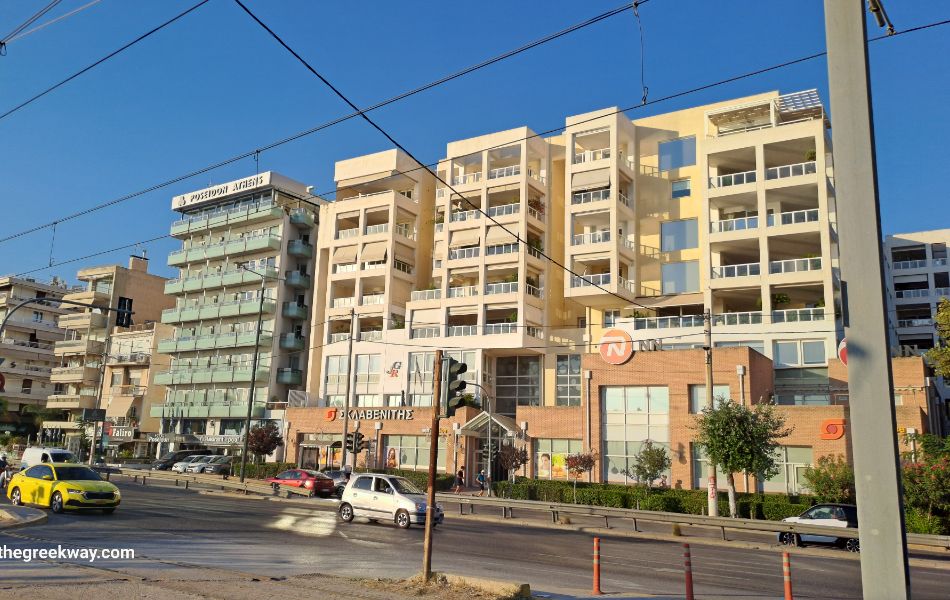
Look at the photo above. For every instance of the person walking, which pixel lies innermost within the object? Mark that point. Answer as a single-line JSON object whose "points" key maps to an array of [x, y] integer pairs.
{"points": [[459, 481], [480, 478]]}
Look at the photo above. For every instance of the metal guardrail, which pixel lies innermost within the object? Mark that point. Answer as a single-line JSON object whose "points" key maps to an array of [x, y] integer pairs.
{"points": [[722, 523], [248, 487]]}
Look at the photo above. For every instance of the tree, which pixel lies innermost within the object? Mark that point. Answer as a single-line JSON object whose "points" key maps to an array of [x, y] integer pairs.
{"points": [[264, 439], [741, 439], [578, 464], [512, 459], [940, 356], [927, 486], [649, 463], [831, 479], [41, 414]]}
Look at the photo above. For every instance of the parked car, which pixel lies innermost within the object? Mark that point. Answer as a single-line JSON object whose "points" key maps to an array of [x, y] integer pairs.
{"points": [[182, 465], [828, 515], [219, 465], [35, 455], [315, 481], [63, 486], [340, 479], [168, 460], [386, 497]]}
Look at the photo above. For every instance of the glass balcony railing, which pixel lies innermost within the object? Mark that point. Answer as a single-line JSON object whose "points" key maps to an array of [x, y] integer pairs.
{"points": [[293, 310], [798, 315], [739, 224], [738, 318], [591, 155], [371, 299], [921, 293], [297, 279], [500, 328], [425, 332], [911, 264], [338, 337], [795, 170], [467, 178], [462, 253], [591, 196], [915, 322], [504, 209], [461, 330], [465, 215], [723, 181], [343, 302], [376, 229], [425, 295], [463, 291], [668, 322], [343, 234], [594, 237], [500, 172], [795, 265], [289, 376], [300, 248], [589, 280], [793, 217], [743, 270], [506, 287]]}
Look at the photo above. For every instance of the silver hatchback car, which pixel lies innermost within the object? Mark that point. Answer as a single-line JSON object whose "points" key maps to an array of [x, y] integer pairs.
{"points": [[386, 498]]}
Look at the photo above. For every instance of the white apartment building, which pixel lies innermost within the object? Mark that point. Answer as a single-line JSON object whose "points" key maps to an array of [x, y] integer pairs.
{"points": [[918, 277]]}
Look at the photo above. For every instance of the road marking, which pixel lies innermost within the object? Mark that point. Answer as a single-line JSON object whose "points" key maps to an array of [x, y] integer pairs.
{"points": [[305, 523]]}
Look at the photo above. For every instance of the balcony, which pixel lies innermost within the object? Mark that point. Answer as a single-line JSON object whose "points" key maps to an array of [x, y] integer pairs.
{"points": [[668, 322], [500, 328], [795, 265], [344, 234], [425, 333], [463, 253], [300, 249], [743, 270], [421, 295], [905, 294], [468, 178], [504, 172], [591, 155], [223, 218], [231, 339], [590, 280], [333, 338], [136, 391], [533, 291], [739, 224], [376, 229], [594, 237], [798, 315], [805, 168], [99, 297], [793, 217], [133, 358], [501, 288], [233, 247], [591, 196], [912, 264], [205, 409], [84, 320], [371, 335], [291, 341], [461, 330], [289, 376], [211, 310], [345, 268], [738, 318], [85, 399], [406, 231], [499, 249], [302, 217], [504, 209], [915, 322], [732, 179], [79, 374], [218, 374], [465, 215], [292, 310], [463, 291], [216, 279], [296, 279], [372, 299], [84, 346], [25, 346], [343, 302]]}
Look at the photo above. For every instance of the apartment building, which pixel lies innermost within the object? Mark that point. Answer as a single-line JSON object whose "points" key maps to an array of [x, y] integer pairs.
{"points": [[26, 348], [246, 281], [81, 355], [918, 277], [727, 206]]}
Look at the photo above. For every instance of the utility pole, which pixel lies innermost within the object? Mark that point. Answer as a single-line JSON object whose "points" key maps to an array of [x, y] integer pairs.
{"points": [[437, 391], [712, 488], [250, 395], [349, 388], [102, 377], [884, 568]]}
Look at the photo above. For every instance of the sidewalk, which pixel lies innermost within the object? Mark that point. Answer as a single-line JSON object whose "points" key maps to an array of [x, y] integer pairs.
{"points": [[14, 517]]}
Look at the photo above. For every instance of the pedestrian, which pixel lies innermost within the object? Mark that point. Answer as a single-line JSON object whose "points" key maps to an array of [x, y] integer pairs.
{"points": [[480, 478], [459, 481], [4, 474], [664, 482]]}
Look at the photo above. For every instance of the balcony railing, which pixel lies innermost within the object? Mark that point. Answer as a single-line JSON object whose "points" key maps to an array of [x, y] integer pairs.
{"points": [[798, 315], [941, 292], [534, 331], [425, 295], [668, 322], [624, 200], [537, 214], [461, 253], [371, 335], [911, 264], [463, 291], [589, 280], [722, 181], [371, 299], [594, 237], [405, 231], [347, 268], [739, 224], [504, 209], [915, 322], [743, 270], [805, 168], [502, 249], [536, 252], [460, 330], [344, 302], [591, 196], [921, 293], [425, 332], [795, 265], [738, 318], [505, 287], [591, 155], [27, 344], [347, 233], [500, 328], [403, 266], [465, 215], [533, 290], [338, 337], [468, 178], [510, 171], [374, 229], [793, 217], [536, 175]]}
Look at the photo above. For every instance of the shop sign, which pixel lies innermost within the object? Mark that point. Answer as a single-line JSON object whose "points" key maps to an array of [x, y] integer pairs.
{"points": [[832, 429], [616, 346], [372, 414], [124, 433], [220, 440]]}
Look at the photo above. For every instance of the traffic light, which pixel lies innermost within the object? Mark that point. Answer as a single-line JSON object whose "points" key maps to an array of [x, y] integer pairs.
{"points": [[356, 443], [490, 452], [455, 386], [350, 441]]}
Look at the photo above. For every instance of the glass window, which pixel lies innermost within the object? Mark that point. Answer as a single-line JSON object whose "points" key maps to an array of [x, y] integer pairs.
{"points": [[610, 318], [369, 400], [697, 396], [363, 483], [633, 414], [550, 457], [680, 277], [679, 235], [677, 153], [680, 188], [792, 462], [410, 452], [813, 352], [568, 380], [517, 383], [757, 345], [786, 354], [700, 469]]}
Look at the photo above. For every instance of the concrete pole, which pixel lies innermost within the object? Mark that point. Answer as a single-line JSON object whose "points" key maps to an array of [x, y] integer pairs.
{"points": [[711, 487], [884, 569], [349, 389], [438, 389]]}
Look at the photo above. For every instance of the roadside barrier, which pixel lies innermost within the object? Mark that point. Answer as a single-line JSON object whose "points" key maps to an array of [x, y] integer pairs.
{"points": [[787, 575], [597, 591], [688, 566]]}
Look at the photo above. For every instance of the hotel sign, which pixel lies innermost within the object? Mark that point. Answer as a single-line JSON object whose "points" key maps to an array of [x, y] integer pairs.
{"points": [[219, 191]]}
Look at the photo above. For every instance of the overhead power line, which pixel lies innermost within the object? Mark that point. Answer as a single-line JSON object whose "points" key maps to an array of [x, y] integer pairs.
{"points": [[6, 39], [328, 124], [51, 21], [101, 60]]}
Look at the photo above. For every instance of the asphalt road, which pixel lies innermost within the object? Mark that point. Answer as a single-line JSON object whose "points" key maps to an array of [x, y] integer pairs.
{"points": [[178, 533]]}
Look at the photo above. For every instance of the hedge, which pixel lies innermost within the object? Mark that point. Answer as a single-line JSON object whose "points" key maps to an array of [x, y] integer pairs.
{"points": [[917, 521], [263, 470], [443, 481], [756, 506]]}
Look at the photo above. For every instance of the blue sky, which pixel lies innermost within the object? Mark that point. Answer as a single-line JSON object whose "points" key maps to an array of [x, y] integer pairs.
{"points": [[214, 85]]}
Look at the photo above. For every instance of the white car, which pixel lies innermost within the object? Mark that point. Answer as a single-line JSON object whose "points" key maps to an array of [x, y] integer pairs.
{"points": [[825, 515], [386, 498], [181, 466], [195, 466]]}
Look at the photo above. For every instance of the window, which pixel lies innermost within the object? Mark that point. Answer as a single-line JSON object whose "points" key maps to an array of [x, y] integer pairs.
{"points": [[27, 386], [813, 352], [336, 371], [679, 235], [680, 277], [792, 462], [550, 455], [363, 483], [37, 316], [39, 471], [336, 400], [786, 354], [393, 400], [421, 367], [677, 153], [697, 397], [757, 345], [369, 400], [232, 426], [410, 452], [632, 415], [582, 322], [517, 383], [794, 353], [568, 390], [368, 368], [610, 318], [700, 469], [680, 188]]}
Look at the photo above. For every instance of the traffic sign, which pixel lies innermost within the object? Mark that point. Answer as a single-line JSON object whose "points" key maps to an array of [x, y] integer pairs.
{"points": [[843, 351]]}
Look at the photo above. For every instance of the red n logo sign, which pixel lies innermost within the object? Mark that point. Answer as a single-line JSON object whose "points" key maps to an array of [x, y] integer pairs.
{"points": [[616, 346]]}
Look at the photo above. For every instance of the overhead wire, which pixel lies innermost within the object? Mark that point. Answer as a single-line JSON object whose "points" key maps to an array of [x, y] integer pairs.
{"points": [[51, 21], [38, 14]]}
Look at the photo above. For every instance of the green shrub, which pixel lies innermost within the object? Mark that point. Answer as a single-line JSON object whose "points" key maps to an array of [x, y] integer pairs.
{"points": [[661, 502], [612, 497], [263, 470], [776, 511], [917, 521]]}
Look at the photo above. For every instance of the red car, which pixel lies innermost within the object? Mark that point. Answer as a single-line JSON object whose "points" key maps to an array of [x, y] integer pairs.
{"points": [[316, 482]]}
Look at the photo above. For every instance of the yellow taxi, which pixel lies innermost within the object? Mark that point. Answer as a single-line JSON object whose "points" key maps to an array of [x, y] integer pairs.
{"points": [[63, 486]]}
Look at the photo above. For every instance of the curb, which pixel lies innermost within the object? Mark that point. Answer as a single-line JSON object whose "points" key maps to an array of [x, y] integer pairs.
{"points": [[21, 516], [505, 589]]}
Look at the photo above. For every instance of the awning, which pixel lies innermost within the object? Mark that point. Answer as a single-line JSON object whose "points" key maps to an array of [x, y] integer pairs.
{"points": [[344, 255], [403, 254], [374, 252], [497, 235], [465, 237], [478, 425], [589, 180], [119, 406], [438, 251]]}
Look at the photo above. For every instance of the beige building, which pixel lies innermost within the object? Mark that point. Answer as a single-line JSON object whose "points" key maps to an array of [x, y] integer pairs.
{"points": [[87, 341], [26, 348], [918, 277]]}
